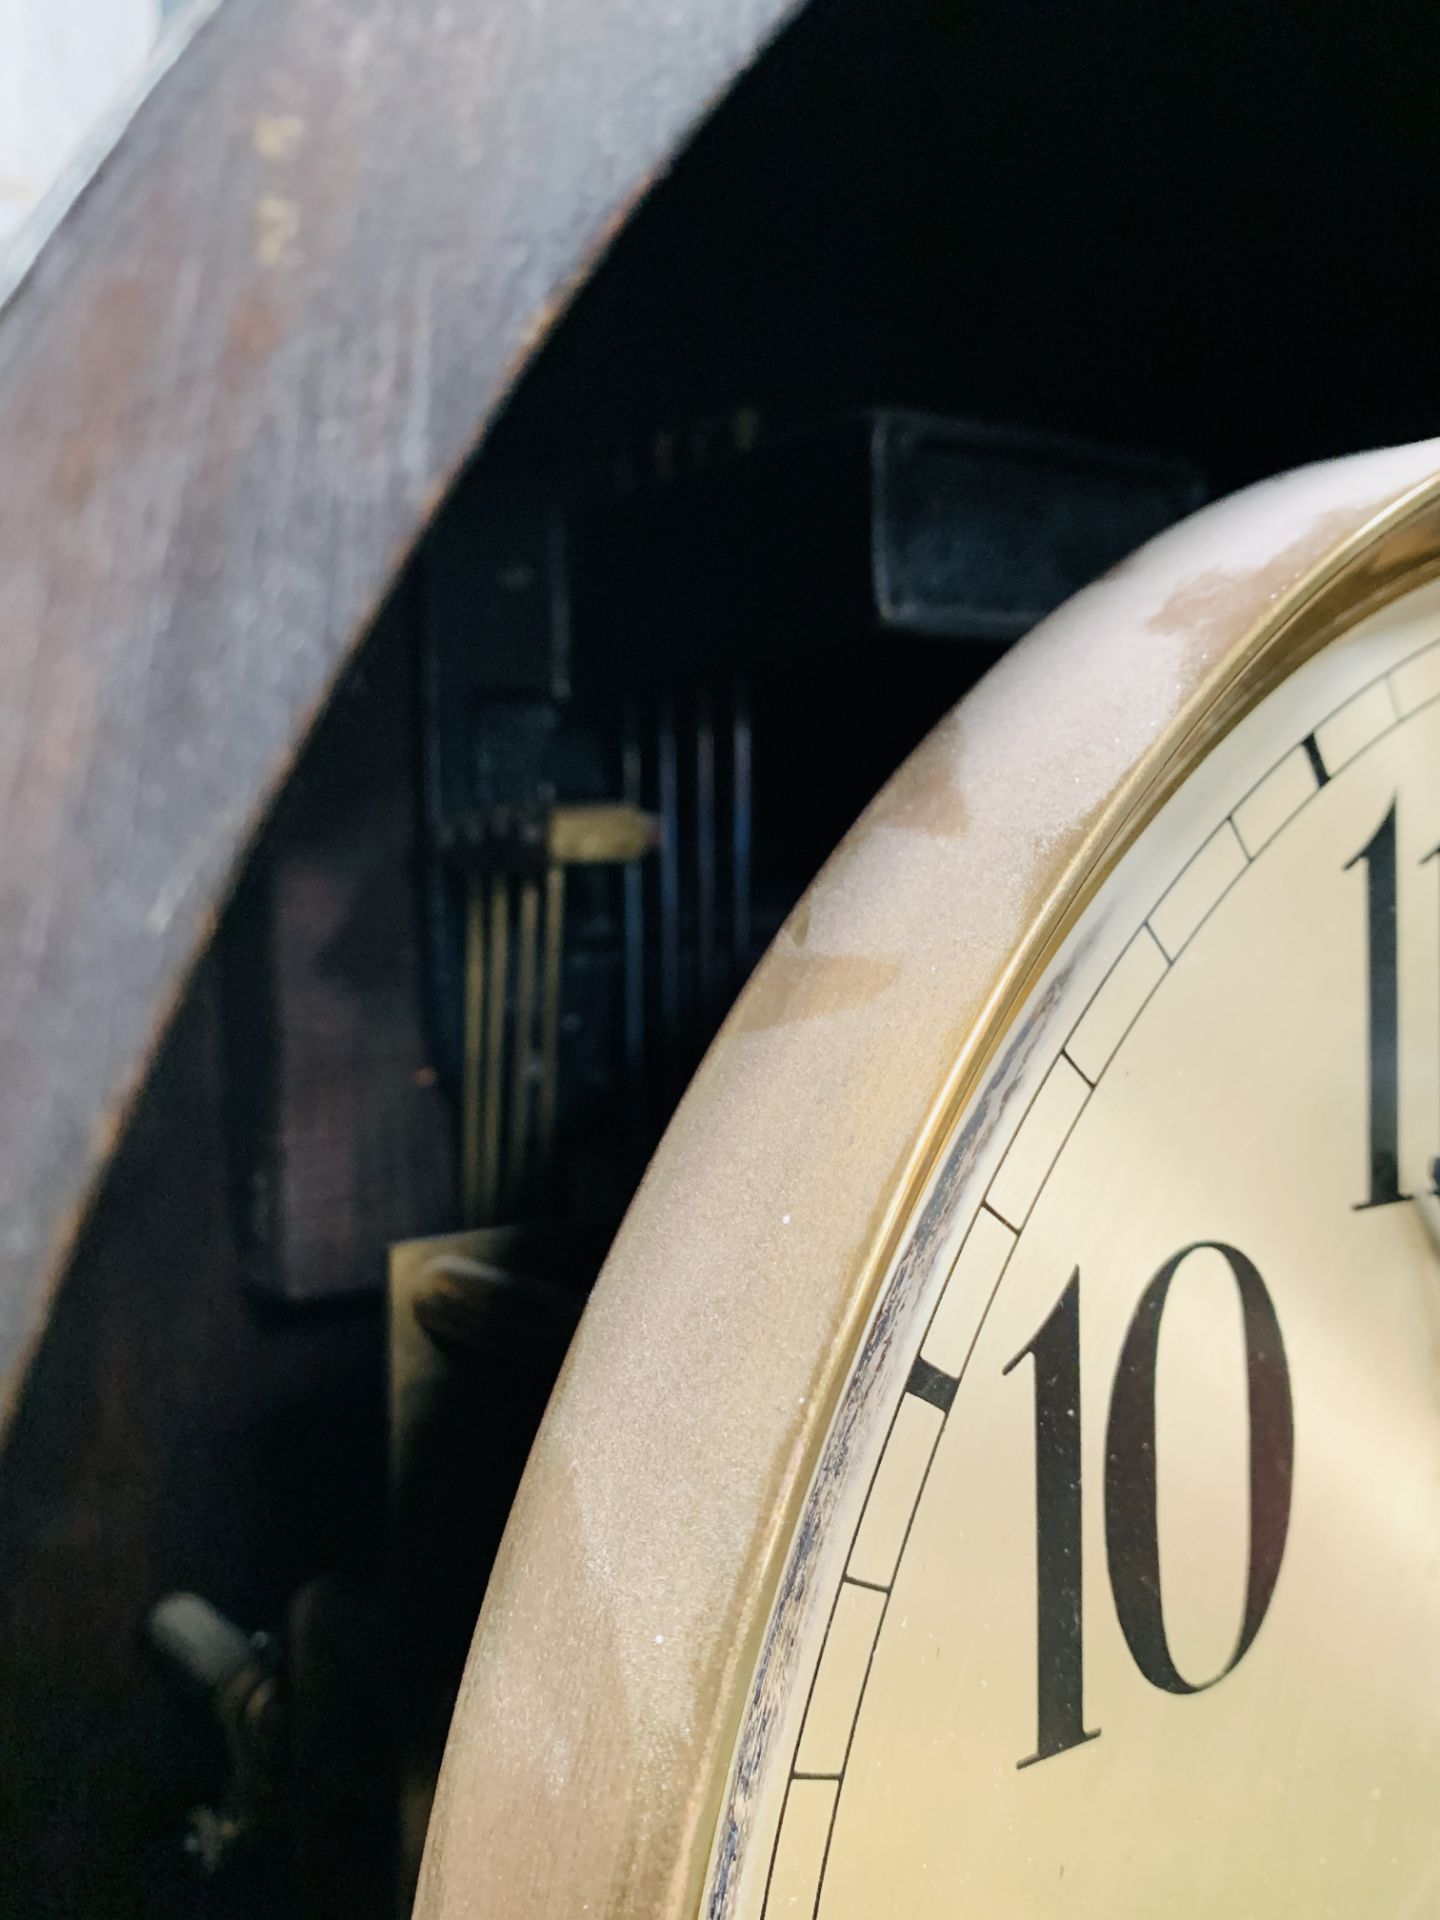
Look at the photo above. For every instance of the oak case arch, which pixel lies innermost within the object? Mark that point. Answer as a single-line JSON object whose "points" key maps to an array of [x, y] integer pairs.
{"points": [[218, 444]]}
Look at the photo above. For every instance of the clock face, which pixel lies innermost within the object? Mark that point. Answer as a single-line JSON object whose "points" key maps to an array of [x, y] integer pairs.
{"points": [[1117, 1588]]}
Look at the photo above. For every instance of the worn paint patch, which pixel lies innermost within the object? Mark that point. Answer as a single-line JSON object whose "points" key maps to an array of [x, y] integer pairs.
{"points": [[1205, 608], [935, 807], [796, 986]]}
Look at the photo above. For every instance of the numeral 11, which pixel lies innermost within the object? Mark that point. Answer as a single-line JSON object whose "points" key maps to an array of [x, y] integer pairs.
{"points": [[1382, 967]]}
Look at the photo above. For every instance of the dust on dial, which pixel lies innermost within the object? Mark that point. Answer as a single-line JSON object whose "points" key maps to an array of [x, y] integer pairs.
{"points": [[1123, 1595]]}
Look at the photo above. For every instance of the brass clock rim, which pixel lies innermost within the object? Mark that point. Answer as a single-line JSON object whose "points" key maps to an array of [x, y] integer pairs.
{"points": [[1351, 583], [1339, 566], [1356, 579]]}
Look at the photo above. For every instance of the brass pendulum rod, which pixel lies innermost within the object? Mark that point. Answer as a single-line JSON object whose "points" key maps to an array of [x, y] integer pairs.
{"points": [[474, 1036], [668, 781], [499, 1144], [633, 883], [705, 849], [523, 1057], [550, 1005], [499, 945]]}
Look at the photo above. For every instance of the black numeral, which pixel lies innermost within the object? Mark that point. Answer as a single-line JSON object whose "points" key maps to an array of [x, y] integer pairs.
{"points": [[1382, 963], [1060, 1621], [1132, 1543], [1131, 1504]]}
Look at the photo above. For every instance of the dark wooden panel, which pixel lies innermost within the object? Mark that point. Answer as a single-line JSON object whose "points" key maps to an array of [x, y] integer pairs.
{"points": [[181, 1429], [256, 1465], [233, 389]]}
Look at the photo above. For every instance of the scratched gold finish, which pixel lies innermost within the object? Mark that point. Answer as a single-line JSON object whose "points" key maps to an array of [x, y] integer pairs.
{"points": [[999, 1471]]}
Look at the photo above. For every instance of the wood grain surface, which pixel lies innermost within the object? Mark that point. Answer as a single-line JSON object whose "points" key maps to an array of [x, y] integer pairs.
{"points": [[232, 391]]}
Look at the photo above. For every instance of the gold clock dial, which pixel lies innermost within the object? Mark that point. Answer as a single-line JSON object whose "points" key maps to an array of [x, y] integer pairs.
{"points": [[1117, 1589]]}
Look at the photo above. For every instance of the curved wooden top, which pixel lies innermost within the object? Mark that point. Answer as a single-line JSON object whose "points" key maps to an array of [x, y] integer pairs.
{"points": [[232, 390], [622, 1628]]}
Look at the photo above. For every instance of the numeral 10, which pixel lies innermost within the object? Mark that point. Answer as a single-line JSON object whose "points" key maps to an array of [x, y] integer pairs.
{"points": [[1132, 1546]]}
